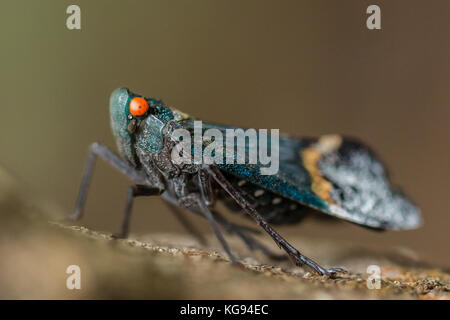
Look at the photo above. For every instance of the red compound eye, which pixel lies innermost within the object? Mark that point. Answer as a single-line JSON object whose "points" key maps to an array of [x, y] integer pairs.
{"points": [[138, 106]]}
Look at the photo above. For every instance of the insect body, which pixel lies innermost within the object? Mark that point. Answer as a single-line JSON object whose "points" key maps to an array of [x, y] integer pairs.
{"points": [[334, 175]]}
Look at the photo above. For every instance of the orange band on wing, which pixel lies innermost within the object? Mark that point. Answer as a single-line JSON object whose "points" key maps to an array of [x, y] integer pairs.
{"points": [[311, 156]]}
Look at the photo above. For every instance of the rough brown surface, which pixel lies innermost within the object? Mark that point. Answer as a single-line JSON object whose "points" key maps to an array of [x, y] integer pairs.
{"points": [[35, 254]]}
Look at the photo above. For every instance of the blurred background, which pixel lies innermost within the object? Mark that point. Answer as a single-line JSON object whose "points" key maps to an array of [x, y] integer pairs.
{"points": [[305, 67]]}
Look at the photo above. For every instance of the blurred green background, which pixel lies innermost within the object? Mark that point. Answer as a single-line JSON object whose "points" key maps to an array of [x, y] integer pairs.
{"points": [[305, 67]]}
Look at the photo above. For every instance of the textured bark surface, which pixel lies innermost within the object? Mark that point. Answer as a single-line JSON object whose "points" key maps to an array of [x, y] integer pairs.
{"points": [[36, 252]]}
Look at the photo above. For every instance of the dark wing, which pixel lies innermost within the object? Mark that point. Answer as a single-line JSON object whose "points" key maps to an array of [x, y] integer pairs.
{"points": [[336, 175]]}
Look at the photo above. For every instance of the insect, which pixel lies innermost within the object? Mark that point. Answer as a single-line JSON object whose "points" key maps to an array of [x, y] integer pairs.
{"points": [[331, 174]]}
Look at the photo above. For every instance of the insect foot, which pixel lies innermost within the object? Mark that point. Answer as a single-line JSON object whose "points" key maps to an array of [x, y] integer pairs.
{"points": [[303, 261], [335, 272], [119, 236], [70, 218], [332, 273]]}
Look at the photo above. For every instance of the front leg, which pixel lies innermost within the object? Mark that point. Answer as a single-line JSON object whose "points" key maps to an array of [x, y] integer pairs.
{"points": [[99, 150], [133, 192]]}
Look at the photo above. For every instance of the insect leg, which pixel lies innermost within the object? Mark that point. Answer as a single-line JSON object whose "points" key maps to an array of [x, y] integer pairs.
{"points": [[97, 149], [207, 196], [251, 243], [206, 191], [195, 199], [186, 224], [133, 192], [231, 228], [297, 257]]}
